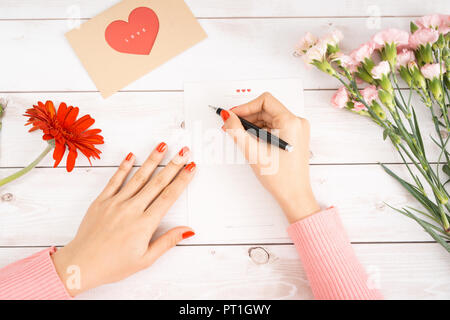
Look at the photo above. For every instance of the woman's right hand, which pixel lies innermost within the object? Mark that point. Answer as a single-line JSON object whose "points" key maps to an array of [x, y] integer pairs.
{"points": [[284, 174]]}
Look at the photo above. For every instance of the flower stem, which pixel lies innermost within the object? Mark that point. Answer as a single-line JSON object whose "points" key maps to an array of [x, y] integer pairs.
{"points": [[23, 171]]}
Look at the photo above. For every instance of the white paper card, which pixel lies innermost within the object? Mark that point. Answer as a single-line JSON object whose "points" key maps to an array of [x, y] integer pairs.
{"points": [[226, 202]]}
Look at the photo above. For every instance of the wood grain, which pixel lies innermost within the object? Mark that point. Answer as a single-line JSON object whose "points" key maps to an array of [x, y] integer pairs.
{"points": [[40, 59], [67, 9], [137, 121], [400, 271], [48, 204], [251, 39]]}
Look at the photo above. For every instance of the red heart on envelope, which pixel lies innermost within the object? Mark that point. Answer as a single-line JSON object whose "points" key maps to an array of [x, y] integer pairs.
{"points": [[136, 36]]}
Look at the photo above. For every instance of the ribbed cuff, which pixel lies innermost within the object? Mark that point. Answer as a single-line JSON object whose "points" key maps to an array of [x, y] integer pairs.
{"points": [[330, 263], [32, 278]]}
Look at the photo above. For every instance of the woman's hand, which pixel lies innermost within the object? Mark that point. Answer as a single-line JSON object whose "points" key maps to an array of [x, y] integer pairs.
{"points": [[113, 240], [284, 174]]}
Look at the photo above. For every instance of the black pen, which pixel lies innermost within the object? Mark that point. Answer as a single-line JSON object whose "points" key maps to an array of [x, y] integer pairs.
{"points": [[260, 133]]}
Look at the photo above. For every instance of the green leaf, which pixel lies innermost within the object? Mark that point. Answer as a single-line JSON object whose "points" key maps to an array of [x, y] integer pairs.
{"points": [[413, 190], [413, 27], [417, 131], [385, 134], [430, 231], [446, 169]]}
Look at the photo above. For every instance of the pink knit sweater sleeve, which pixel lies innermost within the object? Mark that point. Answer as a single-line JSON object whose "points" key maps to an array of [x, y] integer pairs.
{"points": [[330, 263], [32, 278]]}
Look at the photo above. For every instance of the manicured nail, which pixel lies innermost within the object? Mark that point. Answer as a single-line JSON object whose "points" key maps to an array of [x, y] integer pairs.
{"points": [[188, 234], [183, 151], [224, 114], [129, 156], [161, 147], [190, 167], [233, 108]]}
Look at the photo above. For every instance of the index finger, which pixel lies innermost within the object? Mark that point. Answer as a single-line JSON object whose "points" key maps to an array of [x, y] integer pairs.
{"points": [[156, 211], [265, 108]]}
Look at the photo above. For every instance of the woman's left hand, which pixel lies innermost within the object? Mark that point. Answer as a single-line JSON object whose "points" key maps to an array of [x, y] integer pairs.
{"points": [[113, 240]]}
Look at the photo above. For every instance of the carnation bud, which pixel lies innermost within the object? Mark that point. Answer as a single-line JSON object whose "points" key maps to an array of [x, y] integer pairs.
{"points": [[418, 78], [405, 75], [426, 54], [368, 65], [386, 98], [440, 43], [325, 66], [363, 75], [436, 89], [385, 83], [378, 110], [389, 53]]}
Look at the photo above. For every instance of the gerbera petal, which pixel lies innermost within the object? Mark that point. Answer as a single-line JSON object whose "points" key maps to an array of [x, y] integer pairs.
{"points": [[60, 149], [83, 123], [71, 159], [90, 132], [61, 114], [47, 137], [71, 116], [50, 108]]}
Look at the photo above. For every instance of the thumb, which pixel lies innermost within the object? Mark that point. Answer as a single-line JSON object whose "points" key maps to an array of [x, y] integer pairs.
{"points": [[246, 142], [165, 242]]}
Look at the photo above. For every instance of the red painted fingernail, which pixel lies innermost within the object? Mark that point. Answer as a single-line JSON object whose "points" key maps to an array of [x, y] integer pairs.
{"points": [[190, 167], [224, 114], [129, 156], [188, 234], [183, 151], [233, 108], [161, 147]]}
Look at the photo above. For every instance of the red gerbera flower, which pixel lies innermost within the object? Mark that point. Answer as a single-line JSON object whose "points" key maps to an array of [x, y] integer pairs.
{"points": [[66, 130]]}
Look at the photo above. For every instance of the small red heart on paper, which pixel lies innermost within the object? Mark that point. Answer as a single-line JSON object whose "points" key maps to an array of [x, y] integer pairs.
{"points": [[136, 36]]}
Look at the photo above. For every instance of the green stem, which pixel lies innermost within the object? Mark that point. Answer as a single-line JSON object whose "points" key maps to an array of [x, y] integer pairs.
{"points": [[23, 171]]}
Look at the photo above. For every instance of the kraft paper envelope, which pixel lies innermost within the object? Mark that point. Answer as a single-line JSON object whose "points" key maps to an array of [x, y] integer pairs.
{"points": [[132, 38]]}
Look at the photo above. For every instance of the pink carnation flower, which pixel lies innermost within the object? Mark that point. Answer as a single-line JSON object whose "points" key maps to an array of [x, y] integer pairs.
{"points": [[333, 38], [432, 70], [316, 52], [438, 22], [388, 36], [422, 37], [305, 43], [404, 56], [340, 98], [370, 94], [381, 69], [344, 60], [364, 51], [358, 106]]}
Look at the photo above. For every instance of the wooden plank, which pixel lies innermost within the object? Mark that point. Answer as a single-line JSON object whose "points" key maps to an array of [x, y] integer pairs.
{"points": [[66, 9], [400, 271], [40, 59], [48, 204], [137, 121]]}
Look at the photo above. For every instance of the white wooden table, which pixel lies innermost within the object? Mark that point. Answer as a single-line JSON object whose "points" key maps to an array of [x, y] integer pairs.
{"points": [[251, 39]]}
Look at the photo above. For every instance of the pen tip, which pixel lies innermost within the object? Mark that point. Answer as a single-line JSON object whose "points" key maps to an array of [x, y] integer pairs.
{"points": [[289, 148], [212, 107]]}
